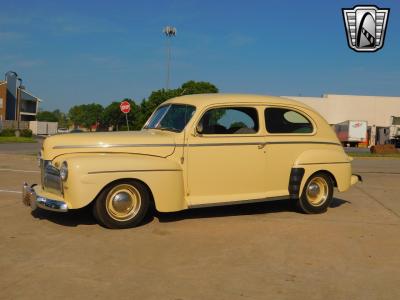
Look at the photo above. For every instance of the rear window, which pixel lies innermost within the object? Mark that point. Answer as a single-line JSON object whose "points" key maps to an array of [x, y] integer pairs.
{"points": [[283, 120]]}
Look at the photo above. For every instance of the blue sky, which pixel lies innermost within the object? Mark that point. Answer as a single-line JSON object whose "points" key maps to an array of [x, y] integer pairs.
{"points": [[72, 52]]}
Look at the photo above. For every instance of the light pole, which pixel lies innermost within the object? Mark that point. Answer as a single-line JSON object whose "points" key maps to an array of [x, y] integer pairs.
{"points": [[169, 32]]}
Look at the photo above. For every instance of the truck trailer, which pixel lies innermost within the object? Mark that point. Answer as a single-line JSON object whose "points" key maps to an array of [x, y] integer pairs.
{"points": [[394, 131], [352, 133]]}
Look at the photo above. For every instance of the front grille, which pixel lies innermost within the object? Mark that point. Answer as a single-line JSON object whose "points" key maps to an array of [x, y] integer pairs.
{"points": [[50, 177]]}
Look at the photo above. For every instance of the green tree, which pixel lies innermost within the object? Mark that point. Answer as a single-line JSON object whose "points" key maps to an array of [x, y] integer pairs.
{"points": [[77, 115], [61, 118], [112, 116], [199, 87], [158, 97], [46, 116], [86, 115]]}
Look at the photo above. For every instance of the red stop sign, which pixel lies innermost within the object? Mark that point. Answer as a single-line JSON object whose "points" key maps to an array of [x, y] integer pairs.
{"points": [[125, 107]]}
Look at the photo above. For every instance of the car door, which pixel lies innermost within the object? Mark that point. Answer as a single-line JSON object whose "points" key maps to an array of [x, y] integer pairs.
{"points": [[289, 133], [226, 162]]}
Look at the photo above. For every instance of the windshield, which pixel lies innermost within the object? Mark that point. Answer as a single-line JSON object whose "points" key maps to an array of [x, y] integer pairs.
{"points": [[173, 117]]}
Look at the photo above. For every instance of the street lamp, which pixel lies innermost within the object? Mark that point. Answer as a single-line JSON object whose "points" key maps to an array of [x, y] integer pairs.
{"points": [[169, 32]]}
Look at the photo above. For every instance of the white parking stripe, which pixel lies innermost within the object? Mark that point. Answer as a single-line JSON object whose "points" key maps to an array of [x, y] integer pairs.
{"points": [[8, 191], [16, 170]]}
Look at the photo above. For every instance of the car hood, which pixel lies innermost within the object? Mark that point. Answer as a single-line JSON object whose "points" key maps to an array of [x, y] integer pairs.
{"points": [[150, 142]]}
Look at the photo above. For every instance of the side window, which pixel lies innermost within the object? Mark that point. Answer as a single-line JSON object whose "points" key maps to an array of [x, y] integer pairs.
{"points": [[229, 120], [282, 120]]}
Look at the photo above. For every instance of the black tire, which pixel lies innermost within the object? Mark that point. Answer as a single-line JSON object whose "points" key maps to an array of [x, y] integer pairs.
{"points": [[123, 204], [320, 203]]}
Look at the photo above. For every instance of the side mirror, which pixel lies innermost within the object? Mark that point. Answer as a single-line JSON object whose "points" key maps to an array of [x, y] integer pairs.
{"points": [[199, 128]]}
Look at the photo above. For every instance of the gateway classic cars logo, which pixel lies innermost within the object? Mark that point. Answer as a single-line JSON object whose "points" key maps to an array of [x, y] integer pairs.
{"points": [[366, 27]]}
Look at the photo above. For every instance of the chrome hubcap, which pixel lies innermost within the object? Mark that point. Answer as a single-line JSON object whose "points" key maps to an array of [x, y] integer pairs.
{"points": [[313, 190], [123, 202], [317, 191]]}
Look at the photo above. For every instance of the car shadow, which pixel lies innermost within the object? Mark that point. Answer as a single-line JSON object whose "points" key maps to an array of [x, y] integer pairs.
{"points": [[266, 207], [75, 217], [84, 215], [72, 218]]}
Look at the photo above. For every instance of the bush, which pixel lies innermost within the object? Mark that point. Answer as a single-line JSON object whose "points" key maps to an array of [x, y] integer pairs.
{"points": [[383, 149], [7, 132], [26, 133]]}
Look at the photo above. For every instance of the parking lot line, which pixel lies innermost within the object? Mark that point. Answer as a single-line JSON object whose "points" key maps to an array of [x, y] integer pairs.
{"points": [[17, 170], [8, 191]]}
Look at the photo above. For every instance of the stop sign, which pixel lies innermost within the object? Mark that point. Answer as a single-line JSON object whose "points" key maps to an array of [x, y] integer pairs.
{"points": [[125, 107]]}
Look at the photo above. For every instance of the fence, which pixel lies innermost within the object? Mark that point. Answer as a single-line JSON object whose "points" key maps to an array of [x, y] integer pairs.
{"points": [[43, 128], [11, 124], [38, 128]]}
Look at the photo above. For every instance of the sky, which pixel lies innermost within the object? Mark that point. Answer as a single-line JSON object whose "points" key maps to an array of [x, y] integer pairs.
{"points": [[75, 52]]}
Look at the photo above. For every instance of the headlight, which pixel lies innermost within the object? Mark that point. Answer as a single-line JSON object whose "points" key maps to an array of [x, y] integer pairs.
{"points": [[64, 171]]}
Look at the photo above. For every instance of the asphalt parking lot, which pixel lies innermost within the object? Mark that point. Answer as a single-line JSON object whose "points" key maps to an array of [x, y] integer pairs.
{"points": [[257, 251]]}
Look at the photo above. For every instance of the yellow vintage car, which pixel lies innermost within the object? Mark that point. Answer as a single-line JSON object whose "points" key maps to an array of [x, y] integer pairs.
{"points": [[196, 151]]}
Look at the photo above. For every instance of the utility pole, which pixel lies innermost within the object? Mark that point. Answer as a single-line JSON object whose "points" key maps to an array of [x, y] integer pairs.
{"points": [[169, 32], [19, 89]]}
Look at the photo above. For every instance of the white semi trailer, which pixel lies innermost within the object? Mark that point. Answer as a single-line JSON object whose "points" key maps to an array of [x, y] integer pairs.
{"points": [[352, 132], [394, 131]]}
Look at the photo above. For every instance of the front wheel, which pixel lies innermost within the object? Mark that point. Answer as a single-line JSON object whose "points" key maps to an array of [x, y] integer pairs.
{"points": [[317, 194], [123, 204]]}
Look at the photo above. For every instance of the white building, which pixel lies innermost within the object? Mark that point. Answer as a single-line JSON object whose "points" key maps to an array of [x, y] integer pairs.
{"points": [[376, 110]]}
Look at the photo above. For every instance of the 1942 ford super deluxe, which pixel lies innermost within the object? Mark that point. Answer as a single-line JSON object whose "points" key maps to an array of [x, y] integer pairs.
{"points": [[196, 151]]}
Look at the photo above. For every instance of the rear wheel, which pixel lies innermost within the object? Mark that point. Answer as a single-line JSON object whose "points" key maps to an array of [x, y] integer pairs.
{"points": [[123, 204], [317, 194]]}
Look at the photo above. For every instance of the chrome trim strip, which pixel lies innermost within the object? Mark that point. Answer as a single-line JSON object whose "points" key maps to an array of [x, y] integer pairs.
{"points": [[191, 145], [305, 142], [112, 146], [127, 171], [260, 143], [223, 144], [239, 202], [325, 163]]}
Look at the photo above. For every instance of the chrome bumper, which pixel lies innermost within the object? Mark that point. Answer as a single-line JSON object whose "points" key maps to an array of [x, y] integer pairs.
{"points": [[30, 198], [355, 178]]}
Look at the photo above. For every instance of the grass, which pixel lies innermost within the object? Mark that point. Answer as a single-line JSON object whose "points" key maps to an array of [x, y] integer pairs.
{"points": [[372, 155], [14, 139]]}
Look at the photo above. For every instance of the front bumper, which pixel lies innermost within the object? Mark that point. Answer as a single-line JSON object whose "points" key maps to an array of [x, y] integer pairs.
{"points": [[32, 199], [355, 178]]}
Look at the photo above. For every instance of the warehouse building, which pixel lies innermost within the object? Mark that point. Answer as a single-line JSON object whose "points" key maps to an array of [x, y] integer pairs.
{"points": [[376, 110]]}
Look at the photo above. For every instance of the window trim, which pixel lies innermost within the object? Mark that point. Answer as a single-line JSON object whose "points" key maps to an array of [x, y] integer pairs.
{"points": [[170, 104], [237, 105], [301, 112]]}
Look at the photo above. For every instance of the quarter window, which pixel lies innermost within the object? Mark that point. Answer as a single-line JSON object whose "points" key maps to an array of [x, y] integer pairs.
{"points": [[282, 120], [229, 120]]}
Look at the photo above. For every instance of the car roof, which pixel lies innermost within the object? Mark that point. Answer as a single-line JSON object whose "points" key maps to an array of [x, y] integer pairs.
{"points": [[202, 100]]}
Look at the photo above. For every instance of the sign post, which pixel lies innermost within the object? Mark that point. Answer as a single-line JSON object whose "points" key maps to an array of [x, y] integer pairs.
{"points": [[125, 108]]}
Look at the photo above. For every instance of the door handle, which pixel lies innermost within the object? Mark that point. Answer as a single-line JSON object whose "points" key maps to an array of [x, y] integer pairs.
{"points": [[262, 146]]}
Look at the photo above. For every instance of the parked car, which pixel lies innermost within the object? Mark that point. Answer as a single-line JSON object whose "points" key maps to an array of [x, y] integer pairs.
{"points": [[76, 130], [62, 130], [196, 151]]}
